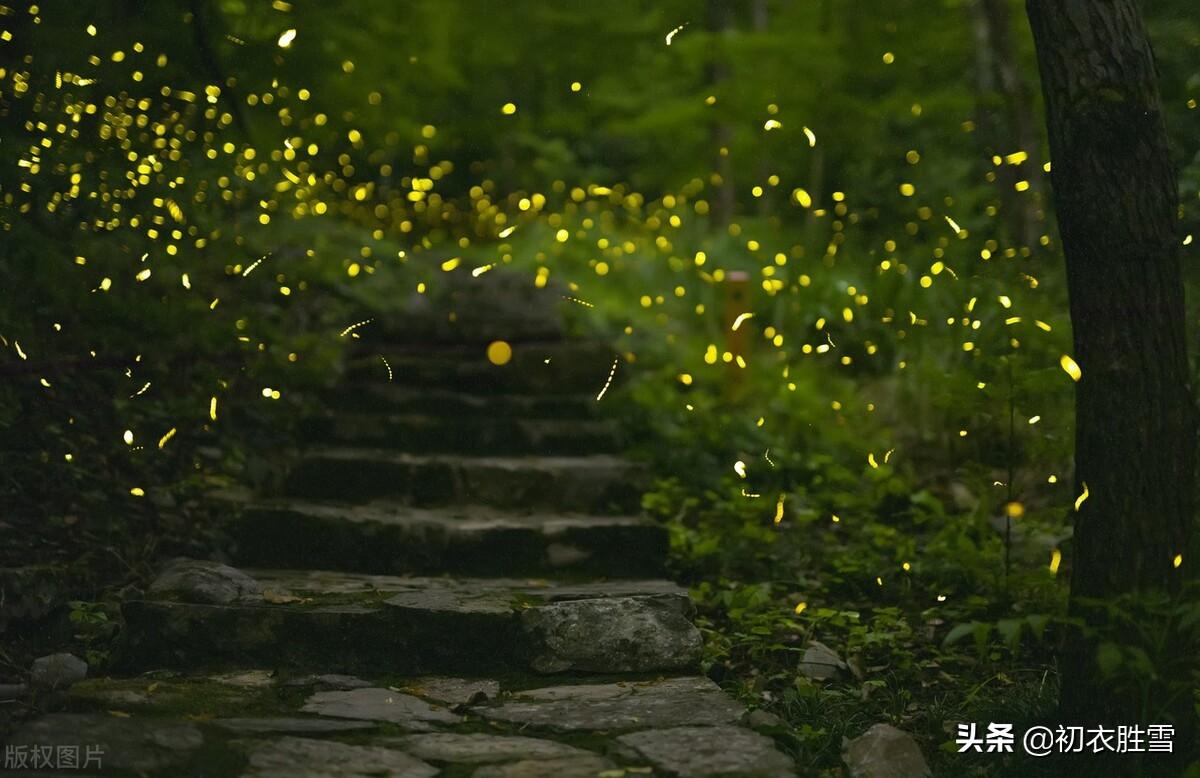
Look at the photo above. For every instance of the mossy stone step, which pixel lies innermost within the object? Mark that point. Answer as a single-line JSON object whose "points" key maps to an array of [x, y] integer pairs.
{"points": [[496, 434], [391, 538], [592, 484], [541, 368], [344, 622], [381, 396], [256, 722]]}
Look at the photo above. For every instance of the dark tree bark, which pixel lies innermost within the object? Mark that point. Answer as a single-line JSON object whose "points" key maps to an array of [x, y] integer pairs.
{"points": [[1117, 205]]}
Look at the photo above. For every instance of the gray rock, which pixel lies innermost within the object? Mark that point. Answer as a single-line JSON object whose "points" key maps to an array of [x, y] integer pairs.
{"points": [[453, 691], [761, 719], [57, 671], [198, 581], [329, 682], [567, 767], [291, 726], [821, 663], [884, 752], [618, 634], [618, 706], [379, 705], [482, 748], [708, 751], [139, 745], [295, 757]]}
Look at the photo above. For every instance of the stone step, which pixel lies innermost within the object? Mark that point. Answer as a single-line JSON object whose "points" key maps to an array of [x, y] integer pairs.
{"points": [[463, 308], [378, 396], [554, 367], [206, 615], [391, 538], [256, 722], [587, 484], [494, 434]]}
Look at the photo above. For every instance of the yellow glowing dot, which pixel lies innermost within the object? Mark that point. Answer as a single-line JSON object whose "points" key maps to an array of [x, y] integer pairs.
{"points": [[1071, 367], [499, 352], [212, 408], [685, 379], [163, 440], [739, 467], [835, 518], [576, 86], [286, 38], [450, 264], [908, 190], [926, 282], [561, 236], [803, 198], [509, 109], [1014, 510], [601, 268], [128, 437], [800, 608], [907, 567], [1055, 561], [1177, 561], [138, 491], [888, 58]]}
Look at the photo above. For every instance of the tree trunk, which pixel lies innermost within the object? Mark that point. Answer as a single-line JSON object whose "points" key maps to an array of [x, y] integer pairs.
{"points": [[1117, 205]]}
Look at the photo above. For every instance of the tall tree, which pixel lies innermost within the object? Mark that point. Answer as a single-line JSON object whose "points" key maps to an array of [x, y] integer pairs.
{"points": [[1117, 205]]}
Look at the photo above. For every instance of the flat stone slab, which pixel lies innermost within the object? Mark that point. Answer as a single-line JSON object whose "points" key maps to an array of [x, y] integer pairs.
{"points": [[295, 757], [587, 484], [483, 435], [344, 622], [567, 767], [699, 752], [385, 537], [480, 748], [120, 743], [617, 707], [376, 704]]}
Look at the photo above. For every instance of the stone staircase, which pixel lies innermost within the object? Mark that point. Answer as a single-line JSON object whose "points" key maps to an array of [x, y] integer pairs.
{"points": [[455, 581]]}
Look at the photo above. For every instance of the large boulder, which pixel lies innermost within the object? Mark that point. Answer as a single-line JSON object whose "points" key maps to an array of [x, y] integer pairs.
{"points": [[613, 635], [884, 752], [57, 671], [208, 583]]}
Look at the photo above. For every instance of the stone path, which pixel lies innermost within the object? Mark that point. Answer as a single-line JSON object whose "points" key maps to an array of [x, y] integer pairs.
{"points": [[455, 581]]}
